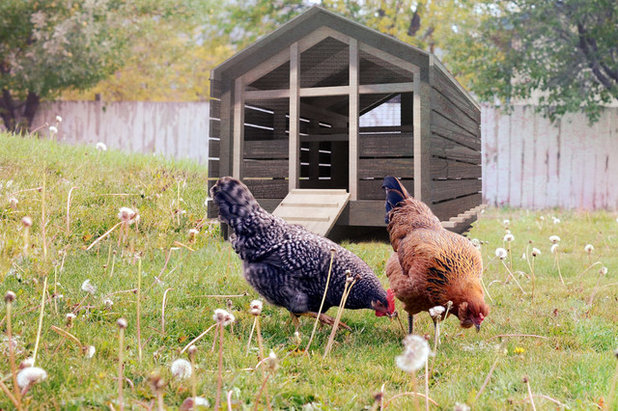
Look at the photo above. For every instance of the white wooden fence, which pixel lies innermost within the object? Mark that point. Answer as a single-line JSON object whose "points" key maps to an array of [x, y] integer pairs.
{"points": [[530, 163], [527, 162], [173, 129]]}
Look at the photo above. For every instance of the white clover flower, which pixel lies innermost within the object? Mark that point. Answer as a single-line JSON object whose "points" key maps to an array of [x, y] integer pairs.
{"points": [[127, 215], [554, 239], [53, 129], [415, 354], [90, 351], [508, 238], [30, 375], [13, 202], [506, 222], [88, 287], [256, 307], [436, 312], [554, 248], [26, 222], [536, 252], [101, 146], [556, 220], [501, 253], [589, 248], [181, 369], [59, 119]]}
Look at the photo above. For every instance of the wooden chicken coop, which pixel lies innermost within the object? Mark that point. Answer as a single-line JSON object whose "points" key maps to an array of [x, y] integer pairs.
{"points": [[287, 115]]}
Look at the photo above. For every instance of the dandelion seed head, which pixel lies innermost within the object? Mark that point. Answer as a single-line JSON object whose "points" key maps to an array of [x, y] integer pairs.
{"points": [[101, 146], [53, 129], [461, 407], [554, 239], [127, 215], [90, 351], [193, 232], [508, 238], [26, 222], [475, 242], [501, 253], [542, 218], [506, 222], [272, 362], [9, 297], [415, 354], [603, 270], [59, 119], [222, 317], [108, 303], [536, 252], [554, 248], [256, 307], [556, 220], [122, 323], [30, 375], [589, 248], [156, 381], [192, 350], [437, 311], [181, 369], [88, 287], [13, 202]]}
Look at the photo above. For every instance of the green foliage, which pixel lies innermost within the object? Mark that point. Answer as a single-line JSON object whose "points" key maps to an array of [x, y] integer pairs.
{"points": [[574, 364], [47, 46], [563, 53]]}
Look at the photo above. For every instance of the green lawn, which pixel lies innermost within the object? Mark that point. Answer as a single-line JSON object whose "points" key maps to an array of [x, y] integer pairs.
{"points": [[570, 358]]}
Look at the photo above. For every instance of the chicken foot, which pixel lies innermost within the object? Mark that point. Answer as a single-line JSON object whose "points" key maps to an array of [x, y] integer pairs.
{"points": [[324, 319]]}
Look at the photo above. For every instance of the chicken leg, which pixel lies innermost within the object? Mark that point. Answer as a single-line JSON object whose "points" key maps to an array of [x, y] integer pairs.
{"points": [[410, 323]]}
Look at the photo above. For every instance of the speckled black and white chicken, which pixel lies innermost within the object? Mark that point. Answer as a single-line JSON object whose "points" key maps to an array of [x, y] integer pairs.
{"points": [[287, 264]]}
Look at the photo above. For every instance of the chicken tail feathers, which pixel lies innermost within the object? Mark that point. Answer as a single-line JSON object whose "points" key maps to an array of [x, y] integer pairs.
{"points": [[395, 194]]}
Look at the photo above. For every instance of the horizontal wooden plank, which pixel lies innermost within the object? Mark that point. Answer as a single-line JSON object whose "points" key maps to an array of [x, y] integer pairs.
{"points": [[386, 145], [447, 169], [275, 149], [364, 213], [447, 88], [446, 189], [382, 167], [451, 208], [441, 147], [259, 117], [254, 133], [214, 148], [444, 127], [372, 189], [265, 168], [453, 112], [273, 189]]}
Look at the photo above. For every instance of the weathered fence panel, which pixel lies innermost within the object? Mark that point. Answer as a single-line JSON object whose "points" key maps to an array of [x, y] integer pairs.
{"points": [[530, 163], [174, 129]]}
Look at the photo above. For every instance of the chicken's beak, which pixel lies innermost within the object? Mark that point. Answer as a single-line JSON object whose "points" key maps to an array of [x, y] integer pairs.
{"points": [[478, 327]]}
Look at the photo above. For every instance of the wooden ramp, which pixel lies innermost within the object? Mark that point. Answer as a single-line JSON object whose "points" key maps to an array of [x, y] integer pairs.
{"points": [[461, 222], [316, 210]]}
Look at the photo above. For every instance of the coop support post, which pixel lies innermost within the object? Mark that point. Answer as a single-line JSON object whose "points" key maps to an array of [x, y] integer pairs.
{"points": [[353, 119], [239, 128], [294, 153], [422, 137]]}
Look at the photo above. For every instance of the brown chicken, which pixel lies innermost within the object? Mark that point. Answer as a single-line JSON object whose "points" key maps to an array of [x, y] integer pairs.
{"points": [[430, 265]]}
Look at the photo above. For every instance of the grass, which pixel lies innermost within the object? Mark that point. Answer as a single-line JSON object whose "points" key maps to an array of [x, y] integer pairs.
{"points": [[573, 362]]}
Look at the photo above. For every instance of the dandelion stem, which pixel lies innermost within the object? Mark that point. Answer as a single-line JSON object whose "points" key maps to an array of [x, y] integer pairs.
{"points": [[111, 272], [139, 286], [56, 290], [491, 371], [512, 276], [68, 227], [258, 331], [486, 290], [43, 224], [405, 394], [199, 337], [220, 369], [558, 265], [612, 390], [259, 394], [344, 298], [427, 385], [120, 368], [251, 335], [9, 334], [530, 393], [317, 318], [103, 236], [415, 398], [586, 270], [40, 326], [163, 310], [10, 395], [67, 334]]}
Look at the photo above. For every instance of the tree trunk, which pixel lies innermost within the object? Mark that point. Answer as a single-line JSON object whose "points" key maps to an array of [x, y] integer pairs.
{"points": [[11, 113]]}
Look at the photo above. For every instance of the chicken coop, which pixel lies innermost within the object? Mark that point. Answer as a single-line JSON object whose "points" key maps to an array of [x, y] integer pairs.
{"points": [[288, 119]]}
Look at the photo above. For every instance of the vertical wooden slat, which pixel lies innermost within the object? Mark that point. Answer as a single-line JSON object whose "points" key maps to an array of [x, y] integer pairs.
{"points": [[353, 108], [422, 136], [516, 159], [239, 127], [294, 140]]}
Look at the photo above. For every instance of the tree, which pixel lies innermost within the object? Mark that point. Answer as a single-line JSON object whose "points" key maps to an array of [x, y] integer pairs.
{"points": [[563, 53], [47, 46]]}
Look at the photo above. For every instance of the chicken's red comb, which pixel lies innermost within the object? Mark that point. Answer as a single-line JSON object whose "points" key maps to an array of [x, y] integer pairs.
{"points": [[390, 297]]}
